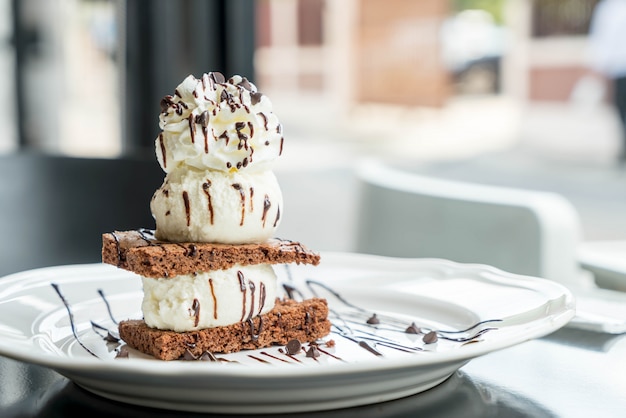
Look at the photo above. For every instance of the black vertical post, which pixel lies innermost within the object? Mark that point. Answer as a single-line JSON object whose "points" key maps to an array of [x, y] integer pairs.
{"points": [[20, 44], [239, 21], [166, 41]]}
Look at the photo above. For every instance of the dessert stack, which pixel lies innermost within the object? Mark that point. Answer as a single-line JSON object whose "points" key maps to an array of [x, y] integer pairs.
{"points": [[208, 268]]}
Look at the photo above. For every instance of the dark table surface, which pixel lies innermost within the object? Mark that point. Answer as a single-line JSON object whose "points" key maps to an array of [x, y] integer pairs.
{"points": [[569, 373]]}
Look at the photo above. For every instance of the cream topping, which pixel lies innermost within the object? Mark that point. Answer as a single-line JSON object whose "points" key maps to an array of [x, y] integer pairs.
{"points": [[216, 124]]}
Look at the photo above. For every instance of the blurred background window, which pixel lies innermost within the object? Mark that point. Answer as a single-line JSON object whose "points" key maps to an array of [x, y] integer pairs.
{"points": [[491, 91], [66, 84], [562, 17], [85, 77]]}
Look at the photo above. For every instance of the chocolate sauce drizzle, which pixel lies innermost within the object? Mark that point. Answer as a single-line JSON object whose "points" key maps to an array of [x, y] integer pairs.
{"points": [[265, 353], [266, 207], [292, 291], [205, 134], [362, 317], [192, 128], [365, 345], [205, 188], [187, 207], [264, 123], [146, 234], [106, 302], [225, 137], [203, 120], [357, 325], [252, 287], [242, 195], [262, 297], [258, 359], [118, 249], [242, 287], [71, 317], [107, 336], [214, 298], [255, 334], [277, 217], [195, 312]]}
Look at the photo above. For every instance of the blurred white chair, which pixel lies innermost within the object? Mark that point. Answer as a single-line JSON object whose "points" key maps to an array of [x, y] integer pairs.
{"points": [[524, 232], [520, 231]]}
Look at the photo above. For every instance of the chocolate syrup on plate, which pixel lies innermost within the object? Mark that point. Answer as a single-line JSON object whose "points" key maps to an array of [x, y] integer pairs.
{"points": [[356, 324]]}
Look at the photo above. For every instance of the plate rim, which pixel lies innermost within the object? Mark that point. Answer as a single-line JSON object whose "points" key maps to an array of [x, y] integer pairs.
{"points": [[145, 367]]}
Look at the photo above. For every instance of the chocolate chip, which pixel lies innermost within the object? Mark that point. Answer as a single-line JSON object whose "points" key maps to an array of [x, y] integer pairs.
{"points": [[217, 77], [256, 97], [293, 346], [373, 320], [203, 119], [412, 329], [245, 84], [430, 338], [313, 352]]}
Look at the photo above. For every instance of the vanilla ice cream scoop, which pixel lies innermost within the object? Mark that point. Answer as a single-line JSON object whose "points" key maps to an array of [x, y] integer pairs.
{"points": [[215, 206], [216, 124], [209, 299], [218, 142]]}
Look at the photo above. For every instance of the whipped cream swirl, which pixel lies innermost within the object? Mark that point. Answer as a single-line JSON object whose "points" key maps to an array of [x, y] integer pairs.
{"points": [[216, 124]]}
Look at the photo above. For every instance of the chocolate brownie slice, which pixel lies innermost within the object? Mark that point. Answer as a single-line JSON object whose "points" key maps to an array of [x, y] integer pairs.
{"points": [[306, 321], [140, 252]]}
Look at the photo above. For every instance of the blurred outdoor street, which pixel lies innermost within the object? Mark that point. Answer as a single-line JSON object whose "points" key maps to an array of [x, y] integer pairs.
{"points": [[559, 148]]}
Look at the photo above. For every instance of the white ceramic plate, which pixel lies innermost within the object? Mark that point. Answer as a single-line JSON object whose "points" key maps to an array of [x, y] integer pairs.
{"points": [[35, 327]]}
